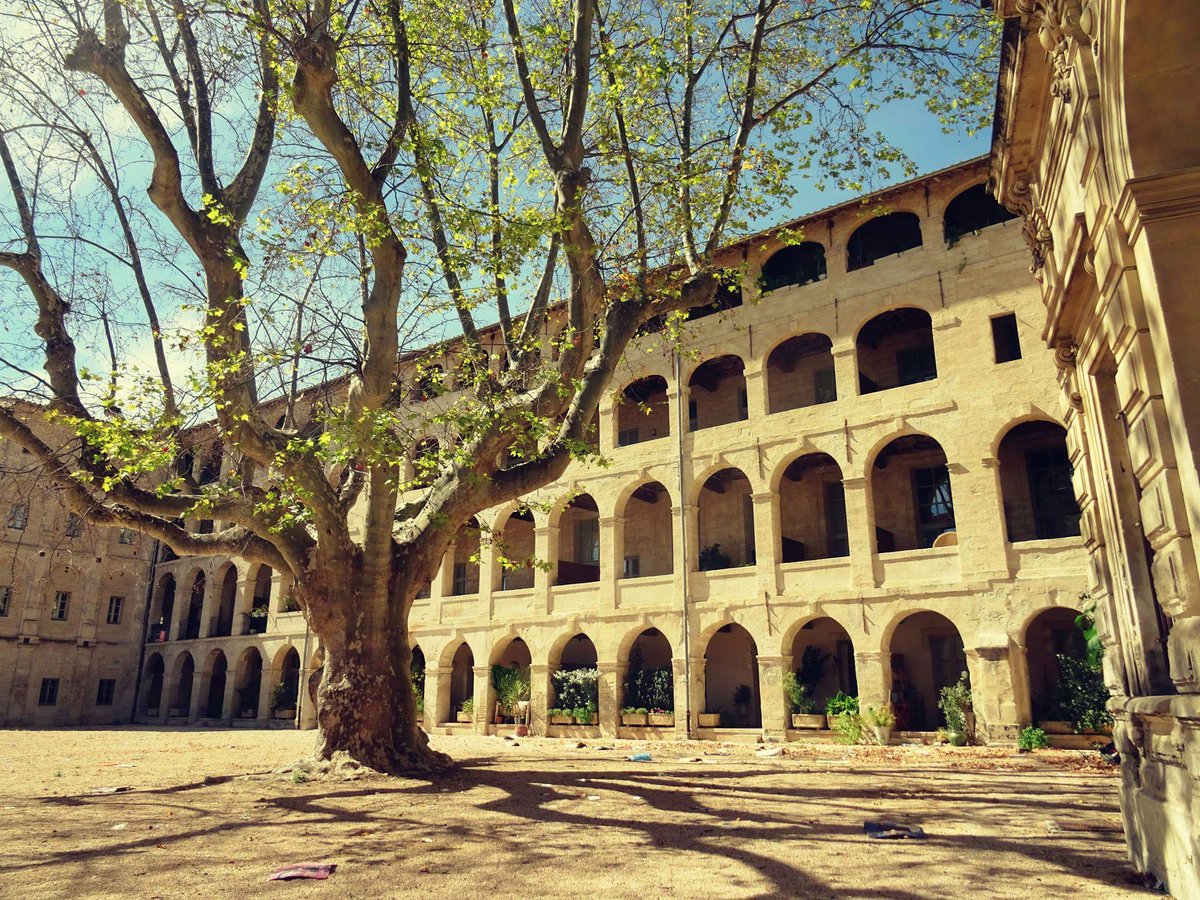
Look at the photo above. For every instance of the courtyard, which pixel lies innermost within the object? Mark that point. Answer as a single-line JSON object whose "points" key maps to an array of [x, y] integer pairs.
{"points": [[157, 812]]}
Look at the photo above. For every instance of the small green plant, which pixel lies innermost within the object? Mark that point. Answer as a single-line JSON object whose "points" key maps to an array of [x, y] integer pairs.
{"points": [[577, 688], [954, 703], [712, 558], [634, 711], [298, 777], [798, 693], [1080, 695], [849, 727], [468, 707], [583, 714], [841, 705], [882, 717], [58, 774], [283, 696], [1032, 738]]}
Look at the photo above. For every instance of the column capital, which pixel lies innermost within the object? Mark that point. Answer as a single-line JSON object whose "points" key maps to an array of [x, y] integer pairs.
{"points": [[762, 497], [773, 660], [855, 483], [539, 669], [610, 521], [685, 508]]}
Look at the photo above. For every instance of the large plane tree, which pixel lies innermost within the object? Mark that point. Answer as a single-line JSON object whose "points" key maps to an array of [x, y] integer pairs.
{"points": [[217, 205]]}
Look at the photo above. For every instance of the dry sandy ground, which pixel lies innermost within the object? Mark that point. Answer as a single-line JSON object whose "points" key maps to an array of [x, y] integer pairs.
{"points": [[547, 818]]}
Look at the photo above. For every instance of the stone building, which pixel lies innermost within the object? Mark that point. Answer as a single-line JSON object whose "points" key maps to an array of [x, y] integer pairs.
{"points": [[862, 453], [72, 606], [1097, 143]]}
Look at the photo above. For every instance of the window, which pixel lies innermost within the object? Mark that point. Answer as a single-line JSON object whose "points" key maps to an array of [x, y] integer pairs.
{"points": [[824, 386], [126, 536], [48, 695], [916, 364], [1055, 511], [62, 602], [106, 690], [74, 525], [5, 597], [626, 437], [935, 505], [1005, 340], [114, 610], [18, 516], [460, 579], [587, 542], [837, 539], [633, 566]]}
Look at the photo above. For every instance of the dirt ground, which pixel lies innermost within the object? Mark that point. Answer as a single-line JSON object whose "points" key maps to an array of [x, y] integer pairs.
{"points": [[548, 818]]}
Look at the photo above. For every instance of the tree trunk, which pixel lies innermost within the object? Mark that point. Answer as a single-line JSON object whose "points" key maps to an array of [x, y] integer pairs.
{"points": [[366, 707]]}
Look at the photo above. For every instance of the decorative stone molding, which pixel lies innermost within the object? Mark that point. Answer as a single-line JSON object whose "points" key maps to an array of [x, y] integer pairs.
{"points": [[1035, 228], [1059, 24]]}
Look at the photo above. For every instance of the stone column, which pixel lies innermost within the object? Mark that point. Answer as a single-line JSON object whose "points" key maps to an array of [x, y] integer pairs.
{"points": [[682, 689], [772, 702], [539, 697], [873, 672], [212, 603], [979, 520], [270, 677], [229, 705], [767, 527], [756, 393], [993, 693], [612, 562], [696, 690], [845, 371], [437, 696], [485, 699], [546, 544], [243, 602], [860, 529], [610, 711], [442, 585], [487, 572], [607, 424]]}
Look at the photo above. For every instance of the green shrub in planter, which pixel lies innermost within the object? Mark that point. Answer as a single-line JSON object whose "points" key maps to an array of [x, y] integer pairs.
{"points": [[798, 694], [1032, 738], [954, 703], [841, 705], [576, 688]]}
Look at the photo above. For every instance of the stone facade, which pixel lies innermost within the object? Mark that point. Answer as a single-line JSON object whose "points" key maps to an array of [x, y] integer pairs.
{"points": [[805, 452], [1097, 144]]}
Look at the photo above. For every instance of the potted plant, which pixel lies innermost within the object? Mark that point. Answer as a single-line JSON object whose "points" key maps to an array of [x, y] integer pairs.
{"points": [[560, 716], [712, 558], [881, 721], [1080, 698], [709, 720], [635, 717], [466, 712], [248, 701], [1031, 739], [954, 703], [577, 692], [661, 718], [839, 705], [802, 705], [283, 701], [584, 715]]}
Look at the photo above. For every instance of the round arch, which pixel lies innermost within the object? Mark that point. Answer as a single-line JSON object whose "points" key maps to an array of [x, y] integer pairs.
{"points": [[895, 348], [731, 687], [217, 673], [647, 536], [726, 520], [927, 654], [911, 493]]}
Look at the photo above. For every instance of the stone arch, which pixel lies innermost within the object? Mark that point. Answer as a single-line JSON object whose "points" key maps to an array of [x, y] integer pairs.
{"points": [[911, 494], [927, 653], [217, 673], [285, 689], [800, 372], [193, 625], [731, 677], [182, 683], [579, 541], [260, 604], [512, 650], [1048, 633], [1035, 482], [162, 610], [812, 501], [643, 411], [972, 210], [644, 653], [515, 538], [460, 661], [648, 544], [726, 519], [728, 296], [831, 655], [882, 236], [895, 348], [153, 680], [248, 690], [464, 572], [573, 650], [222, 625], [795, 264], [717, 393]]}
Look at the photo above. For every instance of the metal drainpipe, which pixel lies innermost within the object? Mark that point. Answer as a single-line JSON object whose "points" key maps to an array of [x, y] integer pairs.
{"points": [[687, 655], [302, 684], [137, 679]]}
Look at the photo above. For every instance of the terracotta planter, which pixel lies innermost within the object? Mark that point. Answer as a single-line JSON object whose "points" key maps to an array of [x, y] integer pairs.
{"points": [[709, 720], [522, 731], [661, 720], [809, 721], [464, 718], [635, 720]]}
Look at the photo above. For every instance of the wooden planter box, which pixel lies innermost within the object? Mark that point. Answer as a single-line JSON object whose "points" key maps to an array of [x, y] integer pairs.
{"points": [[152, 713], [661, 720], [811, 721], [289, 713], [709, 720], [635, 720], [832, 722], [561, 720], [463, 717], [591, 721]]}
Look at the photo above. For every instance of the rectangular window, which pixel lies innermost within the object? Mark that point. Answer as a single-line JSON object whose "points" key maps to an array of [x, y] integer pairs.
{"points": [[836, 537], [1055, 510], [114, 610], [18, 516], [916, 364], [587, 542], [74, 525], [824, 386], [62, 604], [633, 566], [1005, 340], [126, 536], [106, 690], [935, 504], [5, 597], [48, 695], [626, 437], [460, 579]]}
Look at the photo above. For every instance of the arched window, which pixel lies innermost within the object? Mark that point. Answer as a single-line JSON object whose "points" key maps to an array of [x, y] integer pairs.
{"points": [[884, 236], [795, 264], [726, 521], [1035, 479], [894, 349], [729, 296], [972, 211], [800, 373], [910, 490], [643, 413], [648, 526], [812, 510], [717, 393]]}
